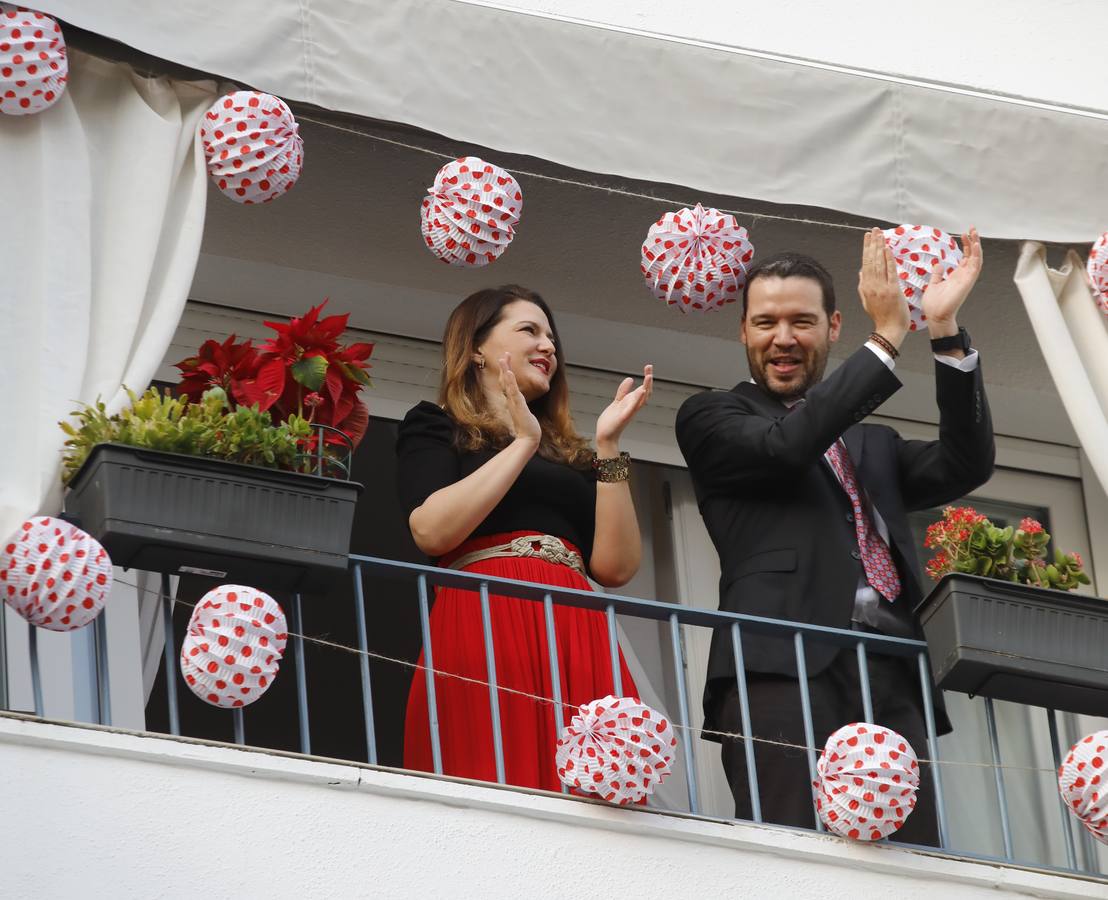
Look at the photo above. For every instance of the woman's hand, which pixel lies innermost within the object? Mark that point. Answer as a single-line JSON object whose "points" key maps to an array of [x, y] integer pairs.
{"points": [[620, 412], [523, 423]]}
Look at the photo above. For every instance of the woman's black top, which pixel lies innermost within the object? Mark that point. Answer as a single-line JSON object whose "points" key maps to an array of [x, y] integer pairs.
{"points": [[547, 497]]}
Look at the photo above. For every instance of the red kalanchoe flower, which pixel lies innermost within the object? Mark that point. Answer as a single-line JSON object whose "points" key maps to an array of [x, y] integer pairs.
{"points": [[1030, 526]]}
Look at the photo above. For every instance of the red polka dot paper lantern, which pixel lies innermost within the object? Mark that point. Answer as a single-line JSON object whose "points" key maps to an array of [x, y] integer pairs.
{"points": [[1097, 267], [470, 213], [236, 638], [55, 575], [696, 259], [867, 780], [1083, 782], [616, 748], [33, 64], [253, 146], [915, 248]]}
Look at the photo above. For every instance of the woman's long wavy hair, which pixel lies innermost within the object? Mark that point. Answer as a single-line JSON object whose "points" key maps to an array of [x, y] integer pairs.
{"points": [[462, 396]]}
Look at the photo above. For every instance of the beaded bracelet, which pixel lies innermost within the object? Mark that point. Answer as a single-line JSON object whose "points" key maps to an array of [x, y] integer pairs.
{"points": [[616, 468], [885, 344]]}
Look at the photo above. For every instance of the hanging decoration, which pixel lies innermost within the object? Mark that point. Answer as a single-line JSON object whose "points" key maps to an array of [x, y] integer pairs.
{"points": [[616, 748], [55, 575], [33, 64], [233, 648], [1097, 267], [470, 213], [696, 259], [1083, 782], [253, 146], [915, 248], [866, 783]]}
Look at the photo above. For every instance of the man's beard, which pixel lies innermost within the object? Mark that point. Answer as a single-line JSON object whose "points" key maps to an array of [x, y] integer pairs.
{"points": [[812, 364]]}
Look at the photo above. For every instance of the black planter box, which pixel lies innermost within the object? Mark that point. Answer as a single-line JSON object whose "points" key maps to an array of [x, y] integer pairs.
{"points": [[1016, 642], [167, 512]]}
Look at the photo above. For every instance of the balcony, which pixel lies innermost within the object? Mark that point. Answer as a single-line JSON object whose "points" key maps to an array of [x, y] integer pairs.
{"points": [[470, 817]]}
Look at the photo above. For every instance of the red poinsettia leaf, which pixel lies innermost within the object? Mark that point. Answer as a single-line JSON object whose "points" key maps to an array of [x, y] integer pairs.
{"points": [[356, 423], [355, 352], [264, 388], [333, 383]]}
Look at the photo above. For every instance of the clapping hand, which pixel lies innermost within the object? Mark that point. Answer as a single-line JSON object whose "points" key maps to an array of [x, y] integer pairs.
{"points": [[943, 297], [620, 412], [522, 421], [879, 289]]}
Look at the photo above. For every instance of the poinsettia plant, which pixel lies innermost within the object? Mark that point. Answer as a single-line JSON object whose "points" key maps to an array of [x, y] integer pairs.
{"points": [[302, 371], [968, 542]]}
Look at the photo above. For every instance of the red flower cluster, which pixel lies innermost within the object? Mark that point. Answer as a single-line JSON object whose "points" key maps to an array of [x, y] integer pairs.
{"points": [[953, 527], [1030, 526], [302, 371]]}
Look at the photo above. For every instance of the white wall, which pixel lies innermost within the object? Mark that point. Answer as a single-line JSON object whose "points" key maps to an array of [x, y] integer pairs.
{"points": [[100, 814], [1045, 50]]}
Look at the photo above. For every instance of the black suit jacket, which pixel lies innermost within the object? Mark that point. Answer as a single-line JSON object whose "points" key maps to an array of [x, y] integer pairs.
{"points": [[782, 523]]}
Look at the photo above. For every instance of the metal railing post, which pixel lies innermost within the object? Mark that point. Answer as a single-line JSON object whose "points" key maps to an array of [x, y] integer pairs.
{"points": [[806, 711], [4, 702], [36, 675], [1067, 833], [363, 660], [555, 673], [169, 656], [933, 748], [494, 691], [748, 731], [301, 676], [240, 725], [998, 773], [429, 675], [613, 650], [683, 711], [103, 680], [863, 682]]}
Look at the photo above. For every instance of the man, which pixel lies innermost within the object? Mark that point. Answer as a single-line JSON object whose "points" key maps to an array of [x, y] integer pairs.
{"points": [[807, 509]]}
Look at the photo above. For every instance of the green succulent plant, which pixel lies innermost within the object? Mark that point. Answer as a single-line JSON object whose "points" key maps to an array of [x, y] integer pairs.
{"points": [[208, 427]]}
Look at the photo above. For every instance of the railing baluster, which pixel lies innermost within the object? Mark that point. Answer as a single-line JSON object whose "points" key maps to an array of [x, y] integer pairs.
{"points": [[1067, 834], [863, 682], [363, 659], [103, 681], [683, 711], [806, 711], [998, 773], [613, 650], [429, 675], [494, 691], [169, 657], [301, 675], [748, 731], [933, 748], [36, 675], [555, 673], [240, 725], [4, 702]]}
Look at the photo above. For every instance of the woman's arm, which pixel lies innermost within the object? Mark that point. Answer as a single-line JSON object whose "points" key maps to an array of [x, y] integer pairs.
{"points": [[450, 514], [617, 544]]}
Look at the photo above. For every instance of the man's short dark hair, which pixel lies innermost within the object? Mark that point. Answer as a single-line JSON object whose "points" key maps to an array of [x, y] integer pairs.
{"points": [[792, 265]]}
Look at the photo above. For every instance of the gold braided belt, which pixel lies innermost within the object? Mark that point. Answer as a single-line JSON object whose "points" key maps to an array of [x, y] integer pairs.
{"points": [[544, 546]]}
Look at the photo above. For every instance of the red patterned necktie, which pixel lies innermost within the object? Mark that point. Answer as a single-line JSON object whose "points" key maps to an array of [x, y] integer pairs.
{"points": [[876, 559]]}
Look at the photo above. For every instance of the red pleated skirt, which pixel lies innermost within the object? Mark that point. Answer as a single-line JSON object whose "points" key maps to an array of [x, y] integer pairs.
{"points": [[519, 639]]}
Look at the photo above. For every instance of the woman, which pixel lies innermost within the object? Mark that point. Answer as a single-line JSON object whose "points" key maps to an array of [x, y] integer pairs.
{"points": [[500, 462]]}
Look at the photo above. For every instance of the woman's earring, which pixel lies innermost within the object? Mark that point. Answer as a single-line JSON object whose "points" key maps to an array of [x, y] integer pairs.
{"points": [[480, 362]]}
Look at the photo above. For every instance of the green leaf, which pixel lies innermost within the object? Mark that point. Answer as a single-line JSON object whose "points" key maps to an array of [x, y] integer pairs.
{"points": [[354, 373], [310, 372]]}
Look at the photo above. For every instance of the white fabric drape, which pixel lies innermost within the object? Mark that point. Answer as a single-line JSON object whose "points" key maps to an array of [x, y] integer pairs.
{"points": [[1073, 335], [642, 106], [103, 211]]}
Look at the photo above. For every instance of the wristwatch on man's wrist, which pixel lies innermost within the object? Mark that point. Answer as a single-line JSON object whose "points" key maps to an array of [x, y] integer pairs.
{"points": [[959, 341]]}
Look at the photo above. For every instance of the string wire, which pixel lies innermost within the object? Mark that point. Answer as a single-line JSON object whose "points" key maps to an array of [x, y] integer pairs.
{"points": [[538, 698]]}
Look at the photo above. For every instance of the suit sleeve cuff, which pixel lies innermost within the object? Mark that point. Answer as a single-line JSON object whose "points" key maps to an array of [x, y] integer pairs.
{"points": [[967, 364], [883, 356]]}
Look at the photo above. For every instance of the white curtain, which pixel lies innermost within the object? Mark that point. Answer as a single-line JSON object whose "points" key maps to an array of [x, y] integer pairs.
{"points": [[1073, 335], [103, 211]]}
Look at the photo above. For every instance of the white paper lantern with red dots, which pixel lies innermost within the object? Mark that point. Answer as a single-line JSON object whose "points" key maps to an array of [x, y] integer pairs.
{"points": [[1083, 782], [253, 146], [33, 64], [470, 213], [54, 574], [915, 248], [1097, 267], [236, 638], [617, 748], [696, 259], [867, 780]]}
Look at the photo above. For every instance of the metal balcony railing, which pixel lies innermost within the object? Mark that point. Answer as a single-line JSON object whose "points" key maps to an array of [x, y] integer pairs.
{"points": [[423, 578]]}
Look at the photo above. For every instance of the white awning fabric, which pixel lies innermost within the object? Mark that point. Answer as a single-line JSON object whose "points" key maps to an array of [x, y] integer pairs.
{"points": [[605, 100]]}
